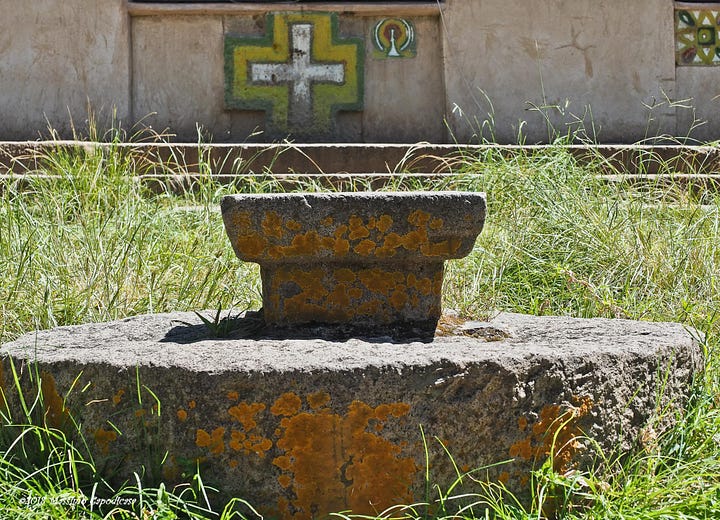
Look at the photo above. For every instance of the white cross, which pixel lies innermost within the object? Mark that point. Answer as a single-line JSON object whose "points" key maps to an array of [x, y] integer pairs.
{"points": [[300, 72]]}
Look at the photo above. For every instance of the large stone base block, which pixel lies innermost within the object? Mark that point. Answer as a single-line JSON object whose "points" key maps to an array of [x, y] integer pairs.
{"points": [[302, 427]]}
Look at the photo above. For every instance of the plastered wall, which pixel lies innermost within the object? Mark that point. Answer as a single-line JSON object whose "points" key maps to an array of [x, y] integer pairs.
{"points": [[472, 70]]}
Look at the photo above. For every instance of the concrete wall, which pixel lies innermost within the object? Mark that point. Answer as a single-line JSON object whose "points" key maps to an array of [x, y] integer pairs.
{"points": [[483, 69], [599, 62], [56, 56]]}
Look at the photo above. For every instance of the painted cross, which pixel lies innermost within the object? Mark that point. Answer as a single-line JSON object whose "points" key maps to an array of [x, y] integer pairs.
{"points": [[300, 73]]}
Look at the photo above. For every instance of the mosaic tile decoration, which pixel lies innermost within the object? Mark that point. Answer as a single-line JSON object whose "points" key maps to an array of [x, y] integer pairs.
{"points": [[300, 73], [697, 37]]}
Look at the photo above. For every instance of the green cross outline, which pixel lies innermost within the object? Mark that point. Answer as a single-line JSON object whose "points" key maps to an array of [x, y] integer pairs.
{"points": [[327, 99]]}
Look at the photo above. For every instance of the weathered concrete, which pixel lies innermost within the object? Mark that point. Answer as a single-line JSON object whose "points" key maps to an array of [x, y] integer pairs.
{"points": [[56, 59], [491, 69], [700, 102], [180, 90], [368, 261], [304, 427], [599, 63], [178, 79]]}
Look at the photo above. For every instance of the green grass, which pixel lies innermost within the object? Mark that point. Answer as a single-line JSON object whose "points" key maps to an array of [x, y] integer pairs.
{"points": [[95, 245]]}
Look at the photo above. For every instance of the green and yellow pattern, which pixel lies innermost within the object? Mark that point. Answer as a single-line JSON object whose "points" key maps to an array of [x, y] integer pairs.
{"points": [[696, 37], [246, 90]]}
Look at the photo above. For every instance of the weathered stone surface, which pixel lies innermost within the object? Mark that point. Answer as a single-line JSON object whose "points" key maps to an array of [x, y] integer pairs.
{"points": [[522, 61], [57, 60], [372, 261], [303, 426]]}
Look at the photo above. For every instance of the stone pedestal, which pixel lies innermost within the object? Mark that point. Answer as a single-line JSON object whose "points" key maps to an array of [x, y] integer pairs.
{"points": [[305, 427], [369, 262]]}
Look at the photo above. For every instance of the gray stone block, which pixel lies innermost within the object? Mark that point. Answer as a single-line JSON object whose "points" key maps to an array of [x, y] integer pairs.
{"points": [[369, 261], [301, 427]]}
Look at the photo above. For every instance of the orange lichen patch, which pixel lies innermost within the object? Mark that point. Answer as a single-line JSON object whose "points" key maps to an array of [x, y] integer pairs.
{"points": [[284, 505], [287, 404], [257, 445], [318, 400], [233, 396], [365, 247], [103, 438], [391, 242], [293, 225], [233, 463], [272, 225], [418, 218], [445, 248], [414, 300], [118, 397], [237, 438], [306, 312], [309, 282], [314, 449], [522, 423], [436, 223], [284, 480], [384, 223], [249, 444], [395, 409], [56, 413], [344, 275], [182, 415], [380, 281], [355, 292], [504, 477], [327, 242], [327, 221], [333, 462], [414, 240], [522, 449], [554, 434], [339, 296], [283, 462], [306, 244], [245, 414], [340, 231], [399, 297], [214, 441], [251, 245], [140, 412], [421, 285], [191, 404], [368, 308], [357, 229], [242, 220], [342, 247]]}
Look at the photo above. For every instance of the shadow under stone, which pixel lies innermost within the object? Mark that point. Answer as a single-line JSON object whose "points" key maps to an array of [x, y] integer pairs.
{"points": [[251, 325]]}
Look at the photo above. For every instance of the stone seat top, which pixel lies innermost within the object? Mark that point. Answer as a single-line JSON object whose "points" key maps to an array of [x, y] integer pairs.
{"points": [[364, 227]]}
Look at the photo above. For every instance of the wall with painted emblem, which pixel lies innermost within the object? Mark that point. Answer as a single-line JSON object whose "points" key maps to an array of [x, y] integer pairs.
{"points": [[363, 71]]}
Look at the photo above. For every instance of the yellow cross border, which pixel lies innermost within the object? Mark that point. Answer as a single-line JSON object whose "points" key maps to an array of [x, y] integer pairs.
{"points": [[300, 73]]}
